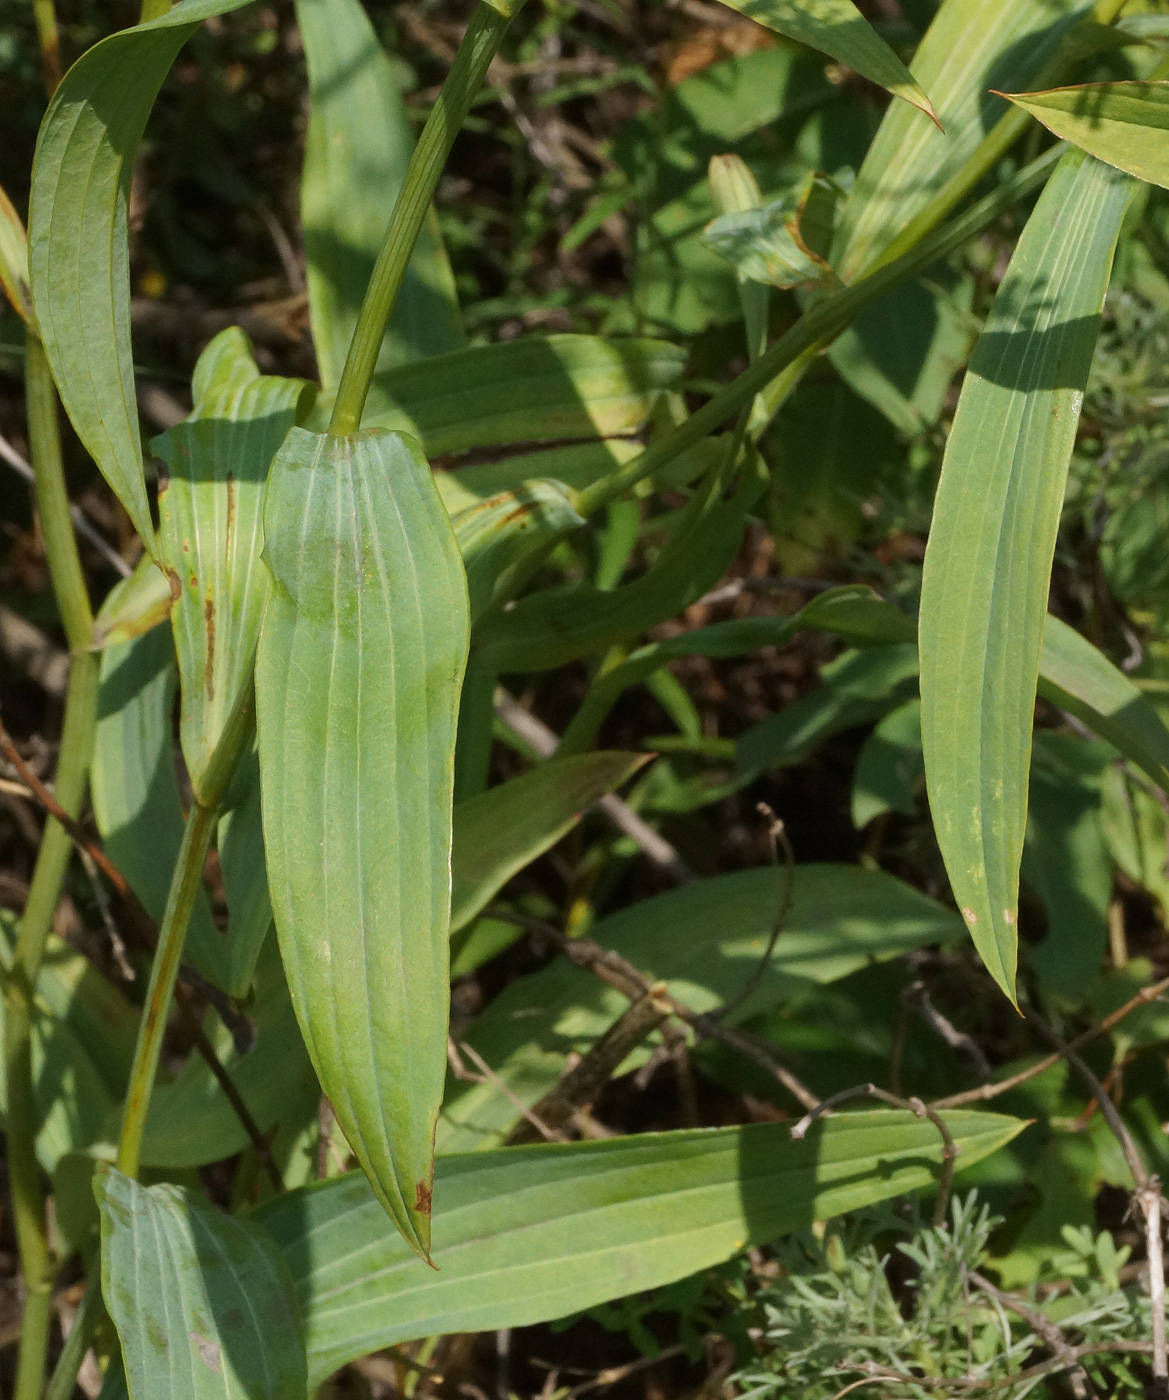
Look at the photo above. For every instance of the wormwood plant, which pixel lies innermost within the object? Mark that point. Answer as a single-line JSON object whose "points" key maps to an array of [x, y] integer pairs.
{"points": [[342, 625]]}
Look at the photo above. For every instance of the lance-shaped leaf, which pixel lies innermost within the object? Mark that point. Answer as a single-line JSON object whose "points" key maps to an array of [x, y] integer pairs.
{"points": [[79, 253], [1125, 124], [529, 1234], [14, 260], [357, 148], [837, 28], [500, 831], [533, 389], [988, 563], [360, 664], [204, 1303], [971, 47], [135, 791], [210, 535], [777, 243]]}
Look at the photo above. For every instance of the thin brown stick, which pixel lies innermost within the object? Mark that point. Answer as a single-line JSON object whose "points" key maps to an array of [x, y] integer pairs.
{"points": [[991, 1091], [146, 932], [1043, 1327], [914, 1105], [581, 1085], [487, 1075]]}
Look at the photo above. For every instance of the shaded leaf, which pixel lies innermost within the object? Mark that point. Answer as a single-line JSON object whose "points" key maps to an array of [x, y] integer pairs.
{"points": [[78, 250], [837, 28], [203, 1302], [529, 1234], [134, 605], [360, 663], [357, 147], [889, 766], [500, 831], [240, 840], [988, 562], [210, 535], [773, 244], [1125, 124]]}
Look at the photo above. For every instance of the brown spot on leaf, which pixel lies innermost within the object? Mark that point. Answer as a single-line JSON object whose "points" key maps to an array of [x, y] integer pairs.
{"points": [[209, 1351], [176, 586], [230, 508], [422, 1198], [209, 619]]}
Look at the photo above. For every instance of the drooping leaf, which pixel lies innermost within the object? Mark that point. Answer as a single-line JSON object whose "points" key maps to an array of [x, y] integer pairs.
{"points": [[78, 229], [971, 47], [837, 28], [533, 389], [210, 536], [988, 562], [774, 244], [704, 941], [14, 260], [1124, 124], [529, 1234], [203, 1302], [500, 831], [360, 663], [357, 147], [134, 785]]}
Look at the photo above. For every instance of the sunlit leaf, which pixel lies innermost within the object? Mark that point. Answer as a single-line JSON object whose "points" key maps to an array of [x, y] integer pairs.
{"points": [[358, 673], [988, 563], [529, 1234], [203, 1302]]}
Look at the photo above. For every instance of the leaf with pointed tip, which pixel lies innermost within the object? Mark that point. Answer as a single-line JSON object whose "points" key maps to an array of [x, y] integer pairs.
{"points": [[988, 562], [1125, 124], [210, 535], [134, 787], [361, 660], [204, 1303], [357, 148], [533, 389], [79, 257], [500, 831], [703, 940], [971, 47], [837, 28], [530, 1234]]}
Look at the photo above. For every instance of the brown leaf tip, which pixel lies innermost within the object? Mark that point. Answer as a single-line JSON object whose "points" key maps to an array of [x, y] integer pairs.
{"points": [[422, 1198]]}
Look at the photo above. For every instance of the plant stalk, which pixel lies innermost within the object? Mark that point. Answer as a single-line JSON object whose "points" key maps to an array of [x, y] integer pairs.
{"points": [[815, 329], [479, 46], [185, 882]]}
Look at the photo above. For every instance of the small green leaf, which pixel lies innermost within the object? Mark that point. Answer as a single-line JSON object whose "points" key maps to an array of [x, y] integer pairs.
{"points": [[1125, 124], [203, 1302], [988, 563], [837, 28], [134, 605], [78, 221], [889, 767], [357, 148], [529, 1234], [772, 244], [360, 663], [500, 831], [210, 535]]}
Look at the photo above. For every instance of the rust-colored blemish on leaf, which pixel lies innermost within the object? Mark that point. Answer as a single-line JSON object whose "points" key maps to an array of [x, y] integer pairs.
{"points": [[422, 1198], [175, 584], [209, 619]]}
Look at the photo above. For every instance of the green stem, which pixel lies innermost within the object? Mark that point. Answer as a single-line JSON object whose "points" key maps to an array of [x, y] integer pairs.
{"points": [[45, 16], [817, 328], [185, 882], [480, 44], [28, 1205]]}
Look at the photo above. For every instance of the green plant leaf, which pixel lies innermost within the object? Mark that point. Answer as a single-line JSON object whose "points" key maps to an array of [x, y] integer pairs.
{"points": [[837, 28], [14, 260], [361, 659], [529, 1234], [78, 228], [704, 941], [971, 47], [1079, 679], [533, 389], [1125, 124], [240, 840], [500, 831], [134, 786], [357, 147], [771, 244], [203, 1302], [210, 535], [134, 605], [988, 562], [889, 766]]}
